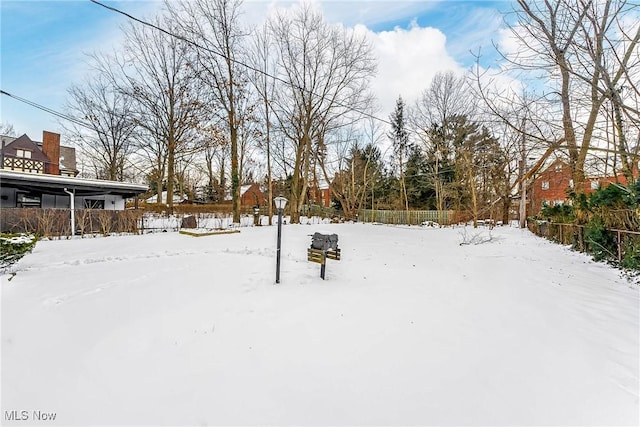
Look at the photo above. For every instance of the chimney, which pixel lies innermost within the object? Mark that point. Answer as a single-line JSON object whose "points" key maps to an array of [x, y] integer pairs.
{"points": [[51, 149]]}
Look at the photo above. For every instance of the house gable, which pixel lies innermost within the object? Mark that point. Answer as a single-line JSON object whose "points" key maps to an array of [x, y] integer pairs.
{"points": [[26, 144], [24, 155], [37, 160], [251, 195]]}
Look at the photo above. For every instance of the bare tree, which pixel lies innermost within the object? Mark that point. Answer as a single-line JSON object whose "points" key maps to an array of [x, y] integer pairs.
{"points": [[158, 72], [355, 183], [481, 167], [562, 43], [373, 135], [446, 99], [109, 114], [326, 71], [264, 83], [6, 129], [612, 49], [447, 96], [215, 25], [214, 149]]}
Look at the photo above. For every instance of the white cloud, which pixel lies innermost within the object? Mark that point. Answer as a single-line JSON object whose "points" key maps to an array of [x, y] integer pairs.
{"points": [[408, 58], [407, 61]]}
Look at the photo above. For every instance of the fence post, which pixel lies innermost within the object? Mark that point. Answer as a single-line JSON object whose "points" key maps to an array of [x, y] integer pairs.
{"points": [[582, 246], [619, 246]]}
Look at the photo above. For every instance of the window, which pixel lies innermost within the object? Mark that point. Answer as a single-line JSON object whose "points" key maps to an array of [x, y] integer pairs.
{"points": [[571, 183], [558, 168], [27, 200], [23, 153], [558, 203], [594, 185], [93, 204], [545, 185]]}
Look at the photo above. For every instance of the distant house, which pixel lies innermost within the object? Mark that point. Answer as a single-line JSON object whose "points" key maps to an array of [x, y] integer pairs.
{"points": [[554, 182], [24, 155], [319, 194], [43, 175], [252, 195]]}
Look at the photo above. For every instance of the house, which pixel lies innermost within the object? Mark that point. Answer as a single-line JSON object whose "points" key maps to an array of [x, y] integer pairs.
{"points": [[24, 155], [553, 183], [252, 195], [319, 194], [43, 175]]}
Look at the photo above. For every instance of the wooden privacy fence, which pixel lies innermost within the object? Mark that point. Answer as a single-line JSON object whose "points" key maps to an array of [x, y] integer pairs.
{"points": [[409, 217], [574, 235], [57, 222]]}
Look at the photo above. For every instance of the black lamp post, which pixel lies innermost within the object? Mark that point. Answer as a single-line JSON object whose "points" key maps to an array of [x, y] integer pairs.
{"points": [[280, 202]]}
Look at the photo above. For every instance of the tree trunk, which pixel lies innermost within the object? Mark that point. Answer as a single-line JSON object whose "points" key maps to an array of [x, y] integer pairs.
{"points": [[170, 174], [235, 178], [269, 179]]}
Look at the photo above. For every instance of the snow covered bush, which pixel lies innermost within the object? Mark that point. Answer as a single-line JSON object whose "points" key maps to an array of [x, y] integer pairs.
{"points": [[13, 247]]}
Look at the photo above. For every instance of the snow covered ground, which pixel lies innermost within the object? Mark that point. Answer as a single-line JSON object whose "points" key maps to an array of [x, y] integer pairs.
{"points": [[410, 328]]}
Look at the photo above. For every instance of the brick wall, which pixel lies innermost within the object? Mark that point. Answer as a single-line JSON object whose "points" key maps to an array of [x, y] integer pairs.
{"points": [[551, 186], [51, 148]]}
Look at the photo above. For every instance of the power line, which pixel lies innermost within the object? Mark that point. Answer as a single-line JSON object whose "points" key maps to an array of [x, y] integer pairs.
{"points": [[49, 110], [235, 61]]}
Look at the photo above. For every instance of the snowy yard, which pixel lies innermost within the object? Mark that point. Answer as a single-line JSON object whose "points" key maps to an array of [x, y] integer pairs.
{"points": [[410, 328]]}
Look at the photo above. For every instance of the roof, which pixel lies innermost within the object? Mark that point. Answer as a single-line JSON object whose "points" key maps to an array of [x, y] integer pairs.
{"points": [[56, 184], [7, 139], [67, 159], [25, 143]]}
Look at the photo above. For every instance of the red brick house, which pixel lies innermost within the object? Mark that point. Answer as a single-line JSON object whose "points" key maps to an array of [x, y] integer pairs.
{"points": [[252, 195], [319, 194], [554, 182]]}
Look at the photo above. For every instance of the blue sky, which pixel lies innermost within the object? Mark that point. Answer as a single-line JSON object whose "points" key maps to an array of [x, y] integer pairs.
{"points": [[45, 44]]}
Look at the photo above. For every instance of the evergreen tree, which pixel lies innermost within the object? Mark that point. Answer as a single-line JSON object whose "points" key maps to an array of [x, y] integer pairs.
{"points": [[420, 188], [400, 139]]}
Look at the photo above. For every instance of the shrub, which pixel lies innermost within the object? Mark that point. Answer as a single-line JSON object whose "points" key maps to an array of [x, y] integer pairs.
{"points": [[559, 213], [600, 242], [611, 196], [13, 247], [631, 259]]}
